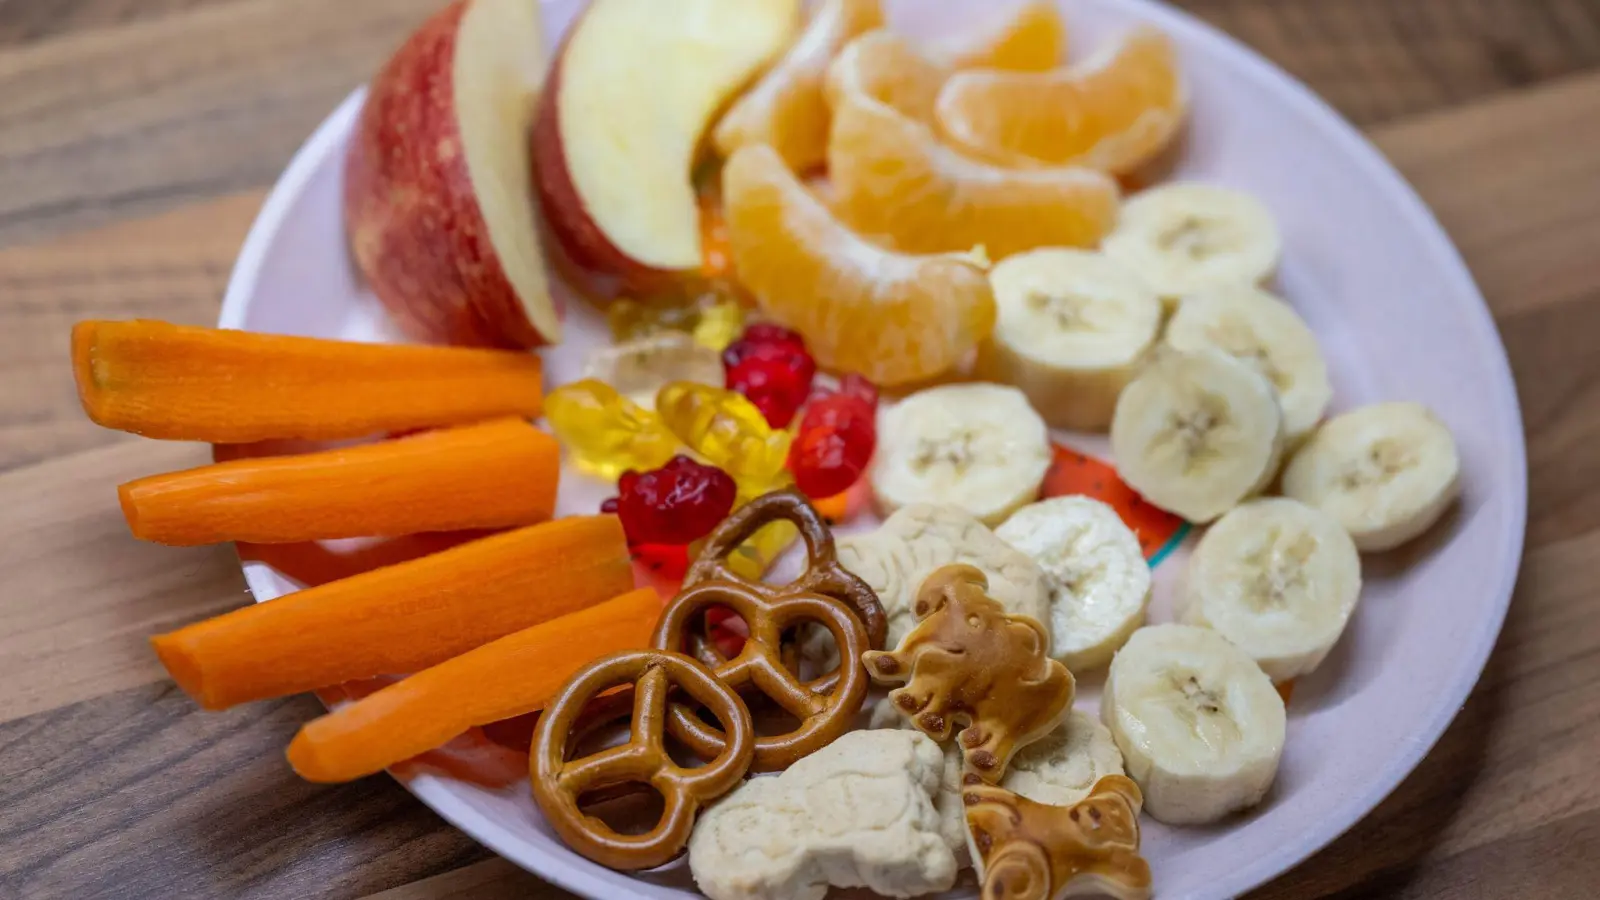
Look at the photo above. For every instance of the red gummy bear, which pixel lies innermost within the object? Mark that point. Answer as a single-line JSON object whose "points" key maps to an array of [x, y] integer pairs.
{"points": [[837, 437], [770, 366], [674, 505]]}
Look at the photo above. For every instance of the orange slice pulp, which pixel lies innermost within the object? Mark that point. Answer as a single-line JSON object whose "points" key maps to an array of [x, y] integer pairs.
{"points": [[885, 65], [1113, 112], [1032, 39], [786, 107], [893, 178], [895, 318]]}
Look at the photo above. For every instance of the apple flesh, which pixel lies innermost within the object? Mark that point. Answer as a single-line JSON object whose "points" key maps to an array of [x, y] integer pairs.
{"points": [[438, 197], [633, 91]]}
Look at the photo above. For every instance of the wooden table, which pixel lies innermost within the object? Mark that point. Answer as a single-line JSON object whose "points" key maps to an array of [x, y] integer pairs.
{"points": [[136, 140]]}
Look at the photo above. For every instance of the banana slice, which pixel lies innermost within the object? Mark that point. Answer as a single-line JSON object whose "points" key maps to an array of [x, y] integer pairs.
{"points": [[1099, 581], [1072, 330], [1196, 433], [1385, 472], [639, 368], [980, 447], [1263, 332], [1187, 237], [1278, 579], [1200, 726]]}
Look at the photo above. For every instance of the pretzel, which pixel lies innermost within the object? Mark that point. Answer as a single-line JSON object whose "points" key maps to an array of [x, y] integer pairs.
{"points": [[559, 782], [823, 575], [970, 662], [825, 706], [1029, 851]]}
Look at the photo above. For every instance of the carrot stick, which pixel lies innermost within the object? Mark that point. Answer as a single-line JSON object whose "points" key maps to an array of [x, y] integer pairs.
{"points": [[228, 387], [496, 475], [512, 676], [401, 618]]}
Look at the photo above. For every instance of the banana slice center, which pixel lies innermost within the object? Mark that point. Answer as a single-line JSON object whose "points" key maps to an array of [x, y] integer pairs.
{"points": [[1240, 342], [1198, 237], [1382, 463], [1191, 429], [954, 452], [1069, 310], [1074, 573], [1279, 564], [1203, 710]]}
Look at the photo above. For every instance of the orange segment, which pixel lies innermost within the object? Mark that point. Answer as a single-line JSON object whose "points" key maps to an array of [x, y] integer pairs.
{"points": [[889, 68], [892, 317], [786, 107], [1114, 112], [886, 67], [892, 178], [1033, 39]]}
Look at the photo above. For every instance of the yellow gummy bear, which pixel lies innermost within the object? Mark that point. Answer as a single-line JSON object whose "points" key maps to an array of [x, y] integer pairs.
{"points": [[605, 433], [755, 556], [726, 429], [719, 324], [711, 314]]}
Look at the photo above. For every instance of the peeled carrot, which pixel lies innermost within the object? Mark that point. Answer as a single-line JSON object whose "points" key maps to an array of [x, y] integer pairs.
{"points": [[512, 676], [228, 387], [401, 618], [496, 475]]}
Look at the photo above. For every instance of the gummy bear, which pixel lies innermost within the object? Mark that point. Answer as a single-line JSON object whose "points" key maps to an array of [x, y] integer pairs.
{"points": [[709, 311], [837, 437], [677, 504], [755, 556], [639, 368], [728, 430], [606, 433], [770, 365]]}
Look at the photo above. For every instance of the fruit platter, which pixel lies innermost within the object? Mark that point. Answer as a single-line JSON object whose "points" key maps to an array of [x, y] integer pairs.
{"points": [[755, 449]]}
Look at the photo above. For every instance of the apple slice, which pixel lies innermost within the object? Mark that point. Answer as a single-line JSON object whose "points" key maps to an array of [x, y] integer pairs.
{"points": [[438, 199], [632, 93]]}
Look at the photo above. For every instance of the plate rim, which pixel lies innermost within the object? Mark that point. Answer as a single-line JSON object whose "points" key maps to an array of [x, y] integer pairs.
{"points": [[580, 877]]}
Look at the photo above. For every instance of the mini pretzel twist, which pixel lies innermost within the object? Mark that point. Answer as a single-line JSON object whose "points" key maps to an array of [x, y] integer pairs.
{"points": [[559, 782], [825, 706], [823, 575]]}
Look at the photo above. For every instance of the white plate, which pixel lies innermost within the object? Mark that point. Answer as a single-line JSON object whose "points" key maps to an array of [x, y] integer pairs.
{"points": [[1368, 267]]}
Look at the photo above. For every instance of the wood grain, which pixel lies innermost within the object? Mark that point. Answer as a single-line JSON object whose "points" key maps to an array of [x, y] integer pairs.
{"points": [[26, 23], [127, 120], [1379, 60], [137, 139], [173, 267], [94, 594], [137, 795], [112, 109]]}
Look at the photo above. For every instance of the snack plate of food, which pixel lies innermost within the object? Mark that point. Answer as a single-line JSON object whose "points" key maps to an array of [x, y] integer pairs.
{"points": [[1087, 439]]}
